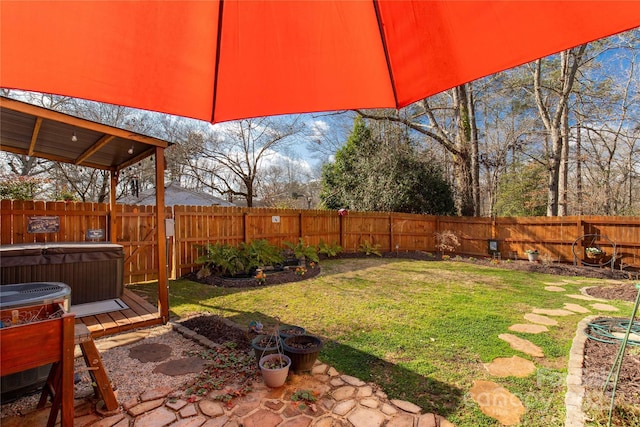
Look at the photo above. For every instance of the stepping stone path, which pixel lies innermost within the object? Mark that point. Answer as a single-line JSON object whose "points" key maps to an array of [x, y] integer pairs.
{"points": [[576, 308], [514, 366], [604, 307], [540, 319], [528, 328], [496, 401], [552, 312], [520, 344]]}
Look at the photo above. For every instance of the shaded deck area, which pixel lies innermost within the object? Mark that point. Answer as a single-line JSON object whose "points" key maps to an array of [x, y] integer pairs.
{"points": [[140, 313]]}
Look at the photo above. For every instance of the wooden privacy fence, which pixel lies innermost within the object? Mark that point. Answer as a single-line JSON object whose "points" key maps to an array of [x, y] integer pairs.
{"points": [[554, 237]]}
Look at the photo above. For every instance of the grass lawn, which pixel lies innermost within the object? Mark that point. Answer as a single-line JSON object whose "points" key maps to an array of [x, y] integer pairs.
{"points": [[419, 329]]}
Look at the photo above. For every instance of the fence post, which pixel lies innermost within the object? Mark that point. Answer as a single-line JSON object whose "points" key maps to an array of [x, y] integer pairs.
{"points": [[341, 222], [579, 232], [391, 242], [245, 226]]}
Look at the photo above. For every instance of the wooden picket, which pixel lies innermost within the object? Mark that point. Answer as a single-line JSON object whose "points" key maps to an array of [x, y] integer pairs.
{"points": [[553, 237]]}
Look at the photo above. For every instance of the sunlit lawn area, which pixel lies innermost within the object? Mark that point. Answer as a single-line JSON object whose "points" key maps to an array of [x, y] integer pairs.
{"points": [[419, 329]]}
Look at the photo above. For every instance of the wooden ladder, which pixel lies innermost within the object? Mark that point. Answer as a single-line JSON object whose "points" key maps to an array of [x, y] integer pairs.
{"points": [[100, 379]]}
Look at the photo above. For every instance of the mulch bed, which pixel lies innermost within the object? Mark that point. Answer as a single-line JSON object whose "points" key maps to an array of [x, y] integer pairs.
{"points": [[273, 278], [599, 357]]}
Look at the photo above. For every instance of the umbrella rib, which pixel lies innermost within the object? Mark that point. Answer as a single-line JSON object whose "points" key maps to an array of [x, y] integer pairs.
{"points": [[217, 64], [386, 51]]}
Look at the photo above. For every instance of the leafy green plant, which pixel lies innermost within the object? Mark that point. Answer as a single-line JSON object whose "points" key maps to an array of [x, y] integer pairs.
{"points": [[222, 259], [303, 395], [230, 260], [329, 249], [261, 253], [302, 249], [368, 248]]}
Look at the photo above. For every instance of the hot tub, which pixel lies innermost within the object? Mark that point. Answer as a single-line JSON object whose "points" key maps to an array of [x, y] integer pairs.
{"points": [[93, 271]]}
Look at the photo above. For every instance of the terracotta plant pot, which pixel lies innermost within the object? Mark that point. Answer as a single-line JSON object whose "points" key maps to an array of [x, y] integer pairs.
{"points": [[275, 376], [303, 351]]}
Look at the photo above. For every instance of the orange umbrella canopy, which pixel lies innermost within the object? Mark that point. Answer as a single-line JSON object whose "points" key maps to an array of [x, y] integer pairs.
{"points": [[230, 59]]}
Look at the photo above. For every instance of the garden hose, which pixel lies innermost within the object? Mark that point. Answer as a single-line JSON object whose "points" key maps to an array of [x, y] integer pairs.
{"points": [[617, 364], [612, 331]]}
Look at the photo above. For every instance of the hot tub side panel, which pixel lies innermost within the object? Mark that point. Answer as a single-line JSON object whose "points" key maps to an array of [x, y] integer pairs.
{"points": [[93, 272]]}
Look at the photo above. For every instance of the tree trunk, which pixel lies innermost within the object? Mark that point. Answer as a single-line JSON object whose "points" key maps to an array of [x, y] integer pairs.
{"points": [[579, 197], [464, 162], [564, 165]]}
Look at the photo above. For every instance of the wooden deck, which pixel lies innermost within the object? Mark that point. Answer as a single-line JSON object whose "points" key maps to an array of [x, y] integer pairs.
{"points": [[139, 314]]}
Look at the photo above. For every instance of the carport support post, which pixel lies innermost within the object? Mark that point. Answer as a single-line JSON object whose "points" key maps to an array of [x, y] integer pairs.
{"points": [[113, 221], [161, 239]]}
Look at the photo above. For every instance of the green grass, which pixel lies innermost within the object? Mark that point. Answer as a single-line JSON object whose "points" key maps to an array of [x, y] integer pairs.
{"points": [[421, 330]]}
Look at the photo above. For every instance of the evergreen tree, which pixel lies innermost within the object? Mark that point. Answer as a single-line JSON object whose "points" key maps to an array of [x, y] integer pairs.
{"points": [[380, 170]]}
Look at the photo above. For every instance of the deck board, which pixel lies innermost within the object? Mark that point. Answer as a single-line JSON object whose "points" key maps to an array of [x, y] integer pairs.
{"points": [[139, 314]]}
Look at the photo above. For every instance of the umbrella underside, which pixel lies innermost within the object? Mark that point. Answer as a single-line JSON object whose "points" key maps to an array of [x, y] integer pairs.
{"points": [[219, 61]]}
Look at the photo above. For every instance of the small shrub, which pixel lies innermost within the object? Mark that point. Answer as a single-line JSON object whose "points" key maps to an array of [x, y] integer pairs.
{"points": [[301, 249], [329, 250], [261, 253], [222, 259], [447, 241], [368, 248]]}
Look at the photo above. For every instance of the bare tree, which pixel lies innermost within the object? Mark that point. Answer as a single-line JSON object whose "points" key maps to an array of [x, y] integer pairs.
{"points": [[553, 103], [231, 157]]}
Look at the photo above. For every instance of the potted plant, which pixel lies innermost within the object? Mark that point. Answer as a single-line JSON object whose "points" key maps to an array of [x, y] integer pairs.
{"points": [[275, 369], [286, 331], [594, 252], [265, 344], [273, 363], [532, 254], [303, 351]]}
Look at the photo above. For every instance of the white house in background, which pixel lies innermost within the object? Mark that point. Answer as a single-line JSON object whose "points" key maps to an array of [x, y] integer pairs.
{"points": [[174, 195]]}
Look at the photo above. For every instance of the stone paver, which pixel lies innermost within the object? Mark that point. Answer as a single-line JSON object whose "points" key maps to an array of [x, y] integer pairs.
{"points": [[352, 380], [406, 406], [210, 408], [365, 417], [528, 328], [576, 308], [402, 420], [343, 408], [554, 289], [145, 407], [190, 422], [344, 392], [552, 311], [522, 345], [370, 402], [262, 418], [514, 366], [155, 393], [540, 319], [582, 297], [604, 307], [497, 402], [158, 417]]}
